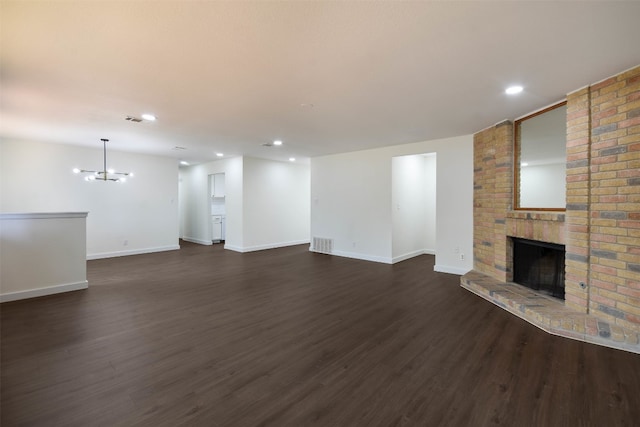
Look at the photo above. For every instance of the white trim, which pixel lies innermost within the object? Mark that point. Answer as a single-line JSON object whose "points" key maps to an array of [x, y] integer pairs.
{"points": [[412, 255], [43, 215], [132, 252], [264, 247], [364, 257], [451, 270], [40, 292], [198, 241]]}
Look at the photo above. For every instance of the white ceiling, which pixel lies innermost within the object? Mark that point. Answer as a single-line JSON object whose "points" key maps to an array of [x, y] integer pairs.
{"points": [[230, 76]]}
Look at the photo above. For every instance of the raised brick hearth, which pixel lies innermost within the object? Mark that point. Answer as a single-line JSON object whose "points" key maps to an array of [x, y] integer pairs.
{"points": [[601, 226], [551, 314]]}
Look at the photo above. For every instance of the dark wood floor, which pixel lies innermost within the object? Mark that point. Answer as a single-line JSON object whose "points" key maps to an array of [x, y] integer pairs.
{"points": [[207, 337]]}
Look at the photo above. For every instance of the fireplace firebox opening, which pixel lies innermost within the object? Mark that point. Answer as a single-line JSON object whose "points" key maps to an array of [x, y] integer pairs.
{"points": [[539, 266]]}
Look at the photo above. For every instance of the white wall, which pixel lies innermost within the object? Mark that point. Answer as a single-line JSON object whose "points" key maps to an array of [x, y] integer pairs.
{"points": [[352, 197], [135, 217], [276, 204], [42, 254], [430, 162], [408, 206], [267, 203], [543, 186], [413, 206], [351, 203]]}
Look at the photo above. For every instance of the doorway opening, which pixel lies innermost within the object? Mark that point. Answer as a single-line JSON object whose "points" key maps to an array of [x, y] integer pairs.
{"points": [[217, 207], [413, 205]]}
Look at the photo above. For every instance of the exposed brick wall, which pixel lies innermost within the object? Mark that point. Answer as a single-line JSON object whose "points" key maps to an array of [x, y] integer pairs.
{"points": [[492, 195], [577, 214], [614, 261], [541, 226], [601, 227]]}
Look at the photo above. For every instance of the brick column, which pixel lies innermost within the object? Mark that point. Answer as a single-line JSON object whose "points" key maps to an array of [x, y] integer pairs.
{"points": [[503, 200], [615, 199], [577, 210], [492, 198]]}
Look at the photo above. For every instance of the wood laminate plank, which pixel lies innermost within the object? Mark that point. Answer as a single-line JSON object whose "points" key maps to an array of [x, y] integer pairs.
{"points": [[285, 337]]}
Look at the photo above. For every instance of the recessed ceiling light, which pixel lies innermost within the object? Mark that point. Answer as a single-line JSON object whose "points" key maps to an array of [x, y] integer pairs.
{"points": [[219, 154], [277, 142], [292, 159], [182, 162], [149, 117], [513, 90], [524, 164]]}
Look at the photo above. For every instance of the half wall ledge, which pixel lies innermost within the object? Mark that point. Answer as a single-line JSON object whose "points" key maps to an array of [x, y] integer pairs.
{"points": [[550, 314]]}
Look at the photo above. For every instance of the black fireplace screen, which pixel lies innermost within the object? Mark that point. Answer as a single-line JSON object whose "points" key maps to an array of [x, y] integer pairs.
{"points": [[539, 266]]}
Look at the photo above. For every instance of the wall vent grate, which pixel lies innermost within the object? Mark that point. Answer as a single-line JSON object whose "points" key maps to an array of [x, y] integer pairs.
{"points": [[322, 245]]}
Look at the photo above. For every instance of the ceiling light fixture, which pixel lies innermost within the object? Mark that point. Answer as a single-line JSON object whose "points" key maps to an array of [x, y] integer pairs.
{"points": [[513, 90], [277, 142], [524, 164], [292, 159], [184, 163], [220, 154], [105, 174], [149, 117]]}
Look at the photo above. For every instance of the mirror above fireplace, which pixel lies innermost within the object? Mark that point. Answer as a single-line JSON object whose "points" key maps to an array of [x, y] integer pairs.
{"points": [[540, 159]]}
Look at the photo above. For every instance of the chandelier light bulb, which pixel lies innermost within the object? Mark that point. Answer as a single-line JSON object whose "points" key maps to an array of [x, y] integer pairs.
{"points": [[104, 174]]}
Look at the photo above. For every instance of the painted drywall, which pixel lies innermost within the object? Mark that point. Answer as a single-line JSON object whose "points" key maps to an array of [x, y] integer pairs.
{"points": [[266, 203], [543, 186], [430, 174], [42, 254], [276, 204], [351, 203], [135, 217], [409, 207], [352, 197], [195, 209]]}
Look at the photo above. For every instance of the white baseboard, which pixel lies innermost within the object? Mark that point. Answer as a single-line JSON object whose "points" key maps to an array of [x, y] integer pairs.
{"points": [[451, 270], [133, 252], [198, 241], [355, 255], [40, 292], [413, 254], [264, 247]]}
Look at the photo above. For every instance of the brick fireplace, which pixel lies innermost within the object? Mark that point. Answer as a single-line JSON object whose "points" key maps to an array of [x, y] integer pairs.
{"points": [[600, 228]]}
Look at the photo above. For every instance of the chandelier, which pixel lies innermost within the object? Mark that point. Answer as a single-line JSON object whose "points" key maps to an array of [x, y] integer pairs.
{"points": [[105, 174]]}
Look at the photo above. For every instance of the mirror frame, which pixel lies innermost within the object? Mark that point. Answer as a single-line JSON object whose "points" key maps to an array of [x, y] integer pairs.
{"points": [[516, 159]]}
